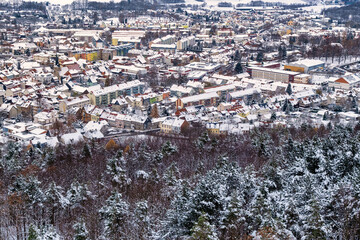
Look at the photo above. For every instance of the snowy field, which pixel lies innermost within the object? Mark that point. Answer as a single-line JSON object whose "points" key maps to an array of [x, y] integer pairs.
{"points": [[214, 3], [319, 8]]}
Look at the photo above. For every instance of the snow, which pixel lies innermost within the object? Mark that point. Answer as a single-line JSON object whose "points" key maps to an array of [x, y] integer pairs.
{"points": [[319, 8], [43, 139], [213, 4], [72, 138]]}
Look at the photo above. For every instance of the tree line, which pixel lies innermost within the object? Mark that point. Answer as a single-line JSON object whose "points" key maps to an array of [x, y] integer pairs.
{"points": [[285, 183]]}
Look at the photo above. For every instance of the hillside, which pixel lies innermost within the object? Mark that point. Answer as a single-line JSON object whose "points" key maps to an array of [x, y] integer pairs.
{"points": [[347, 14], [275, 183]]}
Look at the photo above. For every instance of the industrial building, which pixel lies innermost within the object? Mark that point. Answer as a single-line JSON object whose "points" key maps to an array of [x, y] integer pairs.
{"points": [[272, 74], [304, 66]]}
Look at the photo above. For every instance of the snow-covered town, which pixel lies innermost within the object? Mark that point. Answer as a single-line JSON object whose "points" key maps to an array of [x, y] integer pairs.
{"points": [[230, 71], [116, 73]]}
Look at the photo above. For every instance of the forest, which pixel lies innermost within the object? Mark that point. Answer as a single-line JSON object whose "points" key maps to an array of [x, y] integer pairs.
{"points": [[278, 183], [349, 14]]}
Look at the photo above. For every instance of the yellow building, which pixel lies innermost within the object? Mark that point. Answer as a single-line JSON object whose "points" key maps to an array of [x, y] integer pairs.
{"points": [[294, 68], [213, 128]]}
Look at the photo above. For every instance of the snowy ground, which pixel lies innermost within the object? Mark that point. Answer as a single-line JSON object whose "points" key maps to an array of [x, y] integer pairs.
{"points": [[319, 8], [343, 61], [214, 3]]}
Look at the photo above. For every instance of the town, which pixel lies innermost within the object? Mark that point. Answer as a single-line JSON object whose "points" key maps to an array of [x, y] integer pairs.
{"points": [[179, 119], [164, 70]]}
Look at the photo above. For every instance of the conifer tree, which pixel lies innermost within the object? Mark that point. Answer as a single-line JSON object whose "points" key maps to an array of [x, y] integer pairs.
{"points": [[80, 231], [115, 215], [289, 89], [203, 230], [238, 68]]}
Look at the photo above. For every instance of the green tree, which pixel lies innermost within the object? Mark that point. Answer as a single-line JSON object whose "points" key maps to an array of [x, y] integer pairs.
{"points": [[260, 57], [203, 230], [314, 223], [289, 89], [238, 68], [33, 235], [81, 233], [115, 214]]}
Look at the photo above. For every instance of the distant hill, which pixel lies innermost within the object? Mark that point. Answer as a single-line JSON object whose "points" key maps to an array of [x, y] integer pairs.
{"points": [[347, 14]]}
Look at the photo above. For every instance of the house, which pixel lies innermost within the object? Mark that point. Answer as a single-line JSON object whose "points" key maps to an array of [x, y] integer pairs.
{"points": [[213, 128], [302, 78], [9, 110], [95, 129], [66, 104], [246, 95], [140, 122], [346, 82], [46, 118], [173, 125], [206, 99], [106, 95], [119, 104]]}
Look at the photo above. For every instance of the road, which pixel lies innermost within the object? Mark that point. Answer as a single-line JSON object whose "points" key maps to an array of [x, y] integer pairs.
{"points": [[152, 132]]}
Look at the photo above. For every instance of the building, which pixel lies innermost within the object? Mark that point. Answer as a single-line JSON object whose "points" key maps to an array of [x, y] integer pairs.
{"points": [[246, 95], [106, 95], [346, 82], [128, 36], [185, 43], [206, 99], [302, 78], [304, 66], [272, 74], [206, 67], [46, 119], [81, 101], [174, 125]]}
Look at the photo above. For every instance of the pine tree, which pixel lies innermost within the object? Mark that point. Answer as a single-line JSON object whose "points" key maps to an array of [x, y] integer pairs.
{"points": [[314, 223], [118, 175], [280, 54], [234, 219], [203, 230], [57, 61], [33, 233], [77, 194], [86, 151], [165, 112], [115, 215], [149, 110], [259, 57], [238, 68], [142, 220], [80, 231], [237, 55], [326, 116], [168, 149], [289, 89], [55, 199], [273, 116], [48, 232]]}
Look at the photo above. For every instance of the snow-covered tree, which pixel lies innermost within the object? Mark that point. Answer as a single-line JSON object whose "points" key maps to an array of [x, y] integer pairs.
{"points": [[77, 194], [203, 230], [168, 149], [80, 231], [118, 174], [115, 216], [55, 199], [142, 220]]}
